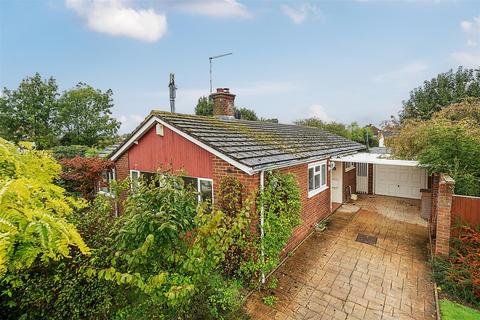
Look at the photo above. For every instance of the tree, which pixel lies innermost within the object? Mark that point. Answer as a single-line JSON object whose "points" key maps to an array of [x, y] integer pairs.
{"points": [[85, 116], [30, 112], [84, 174], [445, 89], [447, 143], [36, 112], [33, 210], [204, 107], [245, 114]]}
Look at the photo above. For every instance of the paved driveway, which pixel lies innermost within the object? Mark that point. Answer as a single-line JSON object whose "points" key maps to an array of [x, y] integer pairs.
{"points": [[332, 276]]}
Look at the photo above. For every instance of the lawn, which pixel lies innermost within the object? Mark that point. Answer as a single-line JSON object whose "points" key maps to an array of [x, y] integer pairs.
{"points": [[454, 311]]}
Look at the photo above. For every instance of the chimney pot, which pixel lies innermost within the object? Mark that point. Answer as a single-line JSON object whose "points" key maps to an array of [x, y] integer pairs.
{"points": [[223, 103]]}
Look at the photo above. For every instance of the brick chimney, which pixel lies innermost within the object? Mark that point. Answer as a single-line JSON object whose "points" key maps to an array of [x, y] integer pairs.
{"points": [[223, 103]]}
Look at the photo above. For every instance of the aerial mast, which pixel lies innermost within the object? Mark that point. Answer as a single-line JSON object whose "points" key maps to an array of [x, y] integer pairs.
{"points": [[210, 59], [173, 92]]}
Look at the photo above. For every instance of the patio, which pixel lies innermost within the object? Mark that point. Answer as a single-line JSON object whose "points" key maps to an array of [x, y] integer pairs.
{"points": [[333, 276]]}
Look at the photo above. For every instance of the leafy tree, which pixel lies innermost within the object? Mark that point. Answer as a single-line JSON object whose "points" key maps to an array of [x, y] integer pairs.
{"points": [[85, 117], [33, 211], [204, 107], [447, 143], [30, 112], [353, 131], [36, 112], [245, 114], [84, 174], [445, 89]]}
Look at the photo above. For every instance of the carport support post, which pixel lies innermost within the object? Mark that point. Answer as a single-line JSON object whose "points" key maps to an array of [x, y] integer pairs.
{"points": [[443, 207], [262, 221]]}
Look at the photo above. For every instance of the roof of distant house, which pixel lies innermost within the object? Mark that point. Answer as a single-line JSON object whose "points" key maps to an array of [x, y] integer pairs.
{"points": [[256, 145]]}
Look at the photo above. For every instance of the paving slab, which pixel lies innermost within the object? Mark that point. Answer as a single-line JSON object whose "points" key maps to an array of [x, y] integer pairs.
{"points": [[333, 276]]}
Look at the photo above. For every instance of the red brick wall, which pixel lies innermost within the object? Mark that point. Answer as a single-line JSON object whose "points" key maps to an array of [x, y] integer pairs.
{"points": [[313, 209], [349, 181], [370, 178], [122, 169], [223, 169]]}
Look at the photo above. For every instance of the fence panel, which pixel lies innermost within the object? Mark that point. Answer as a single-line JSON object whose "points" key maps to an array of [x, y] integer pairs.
{"points": [[466, 210]]}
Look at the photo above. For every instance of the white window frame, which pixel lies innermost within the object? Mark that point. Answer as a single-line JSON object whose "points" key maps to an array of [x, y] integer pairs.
{"points": [[131, 178], [323, 184], [349, 166], [111, 175], [198, 188]]}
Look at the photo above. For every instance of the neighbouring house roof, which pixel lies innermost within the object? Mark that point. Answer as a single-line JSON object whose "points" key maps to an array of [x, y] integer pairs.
{"points": [[252, 146]]}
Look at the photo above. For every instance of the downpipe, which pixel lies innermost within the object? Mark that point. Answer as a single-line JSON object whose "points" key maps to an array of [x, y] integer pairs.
{"points": [[262, 222]]}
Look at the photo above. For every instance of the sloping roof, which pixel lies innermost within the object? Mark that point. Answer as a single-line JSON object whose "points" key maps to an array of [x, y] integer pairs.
{"points": [[258, 145]]}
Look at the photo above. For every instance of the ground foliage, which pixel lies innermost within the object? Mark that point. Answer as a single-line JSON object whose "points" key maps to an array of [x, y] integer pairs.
{"points": [[459, 274], [447, 143], [161, 259]]}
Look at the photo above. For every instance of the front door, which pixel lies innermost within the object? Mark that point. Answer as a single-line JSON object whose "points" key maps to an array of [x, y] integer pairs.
{"points": [[362, 177]]}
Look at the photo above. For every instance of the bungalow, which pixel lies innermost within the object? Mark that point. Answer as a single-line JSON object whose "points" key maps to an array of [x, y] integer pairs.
{"points": [[210, 148]]}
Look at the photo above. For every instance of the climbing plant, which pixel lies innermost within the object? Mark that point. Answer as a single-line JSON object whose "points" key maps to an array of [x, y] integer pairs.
{"points": [[281, 205]]}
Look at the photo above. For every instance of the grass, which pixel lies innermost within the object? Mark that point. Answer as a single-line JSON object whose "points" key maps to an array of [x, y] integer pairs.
{"points": [[454, 311]]}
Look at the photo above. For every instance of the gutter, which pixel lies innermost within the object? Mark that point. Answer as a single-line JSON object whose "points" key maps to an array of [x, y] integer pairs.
{"points": [[262, 222]]}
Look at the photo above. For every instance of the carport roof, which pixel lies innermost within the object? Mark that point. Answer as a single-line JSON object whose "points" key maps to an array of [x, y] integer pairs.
{"points": [[376, 158]]}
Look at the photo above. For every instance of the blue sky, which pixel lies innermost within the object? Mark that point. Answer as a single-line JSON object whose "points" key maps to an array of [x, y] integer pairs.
{"points": [[337, 60]]}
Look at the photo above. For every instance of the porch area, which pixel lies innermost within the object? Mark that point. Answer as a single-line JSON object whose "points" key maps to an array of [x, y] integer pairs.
{"points": [[370, 263]]}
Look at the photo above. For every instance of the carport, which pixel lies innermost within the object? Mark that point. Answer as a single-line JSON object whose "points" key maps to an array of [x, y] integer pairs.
{"points": [[372, 173]]}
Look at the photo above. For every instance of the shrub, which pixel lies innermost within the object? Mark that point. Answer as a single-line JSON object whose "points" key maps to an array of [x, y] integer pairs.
{"points": [[459, 274], [83, 174], [61, 290], [33, 210]]}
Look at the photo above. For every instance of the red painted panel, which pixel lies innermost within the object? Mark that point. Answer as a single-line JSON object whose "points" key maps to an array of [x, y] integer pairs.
{"points": [[465, 210], [170, 151]]}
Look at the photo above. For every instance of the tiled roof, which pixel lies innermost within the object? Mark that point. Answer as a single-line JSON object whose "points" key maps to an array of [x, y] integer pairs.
{"points": [[260, 145]]}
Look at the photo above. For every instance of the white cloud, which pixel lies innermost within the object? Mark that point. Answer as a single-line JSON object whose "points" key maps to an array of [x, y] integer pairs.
{"points": [[215, 8], [404, 73], [117, 18], [472, 30], [318, 111], [130, 121], [300, 13], [467, 59]]}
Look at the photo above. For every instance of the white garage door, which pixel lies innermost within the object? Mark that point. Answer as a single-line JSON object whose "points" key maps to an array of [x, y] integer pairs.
{"points": [[399, 181]]}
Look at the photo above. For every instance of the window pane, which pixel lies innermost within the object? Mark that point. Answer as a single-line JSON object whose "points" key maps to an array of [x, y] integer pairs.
{"points": [[324, 174], [317, 181], [190, 183], [147, 177], [206, 190], [317, 169], [310, 179]]}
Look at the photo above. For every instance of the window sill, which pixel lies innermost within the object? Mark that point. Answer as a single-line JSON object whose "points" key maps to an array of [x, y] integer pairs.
{"points": [[317, 191]]}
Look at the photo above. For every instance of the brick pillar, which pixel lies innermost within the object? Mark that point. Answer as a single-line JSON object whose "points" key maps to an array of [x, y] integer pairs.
{"points": [[443, 219]]}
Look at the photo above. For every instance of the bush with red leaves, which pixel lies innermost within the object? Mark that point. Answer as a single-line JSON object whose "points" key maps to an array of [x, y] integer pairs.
{"points": [[83, 174], [459, 274]]}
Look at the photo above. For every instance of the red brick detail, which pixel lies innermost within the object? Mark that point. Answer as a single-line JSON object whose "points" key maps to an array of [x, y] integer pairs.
{"points": [[444, 194], [349, 182], [223, 102], [370, 178], [122, 169], [313, 209]]}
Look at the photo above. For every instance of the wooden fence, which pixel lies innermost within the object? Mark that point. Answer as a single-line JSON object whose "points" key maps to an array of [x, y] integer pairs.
{"points": [[465, 210]]}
